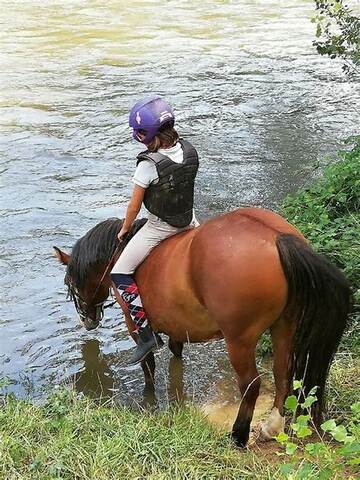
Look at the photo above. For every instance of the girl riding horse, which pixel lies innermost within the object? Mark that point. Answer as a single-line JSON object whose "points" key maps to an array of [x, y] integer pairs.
{"points": [[234, 277], [164, 182]]}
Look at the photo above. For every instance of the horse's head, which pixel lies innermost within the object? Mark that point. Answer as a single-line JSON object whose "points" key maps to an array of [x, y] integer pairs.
{"points": [[89, 297], [88, 268]]}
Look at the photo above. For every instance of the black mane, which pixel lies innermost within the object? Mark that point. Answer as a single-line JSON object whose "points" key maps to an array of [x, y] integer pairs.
{"points": [[96, 247]]}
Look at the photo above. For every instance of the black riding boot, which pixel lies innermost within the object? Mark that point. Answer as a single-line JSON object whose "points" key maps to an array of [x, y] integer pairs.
{"points": [[148, 341]]}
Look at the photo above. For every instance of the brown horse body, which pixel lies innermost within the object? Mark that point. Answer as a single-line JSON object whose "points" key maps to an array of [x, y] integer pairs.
{"points": [[215, 280], [234, 277]]}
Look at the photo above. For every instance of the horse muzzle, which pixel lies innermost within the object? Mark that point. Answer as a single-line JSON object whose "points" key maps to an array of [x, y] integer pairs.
{"points": [[89, 323], [90, 315]]}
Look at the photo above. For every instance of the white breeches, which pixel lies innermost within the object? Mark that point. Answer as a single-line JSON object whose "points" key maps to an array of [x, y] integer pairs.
{"points": [[139, 247]]}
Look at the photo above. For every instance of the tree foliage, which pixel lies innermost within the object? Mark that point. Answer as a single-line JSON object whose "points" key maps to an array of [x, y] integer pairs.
{"points": [[338, 32]]}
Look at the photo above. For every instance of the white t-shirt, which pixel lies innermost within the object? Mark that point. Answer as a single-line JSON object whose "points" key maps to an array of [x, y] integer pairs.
{"points": [[146, 172]]}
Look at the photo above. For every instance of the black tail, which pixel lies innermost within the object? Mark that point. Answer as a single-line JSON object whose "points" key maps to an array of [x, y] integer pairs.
{"points": [[319, 298]]}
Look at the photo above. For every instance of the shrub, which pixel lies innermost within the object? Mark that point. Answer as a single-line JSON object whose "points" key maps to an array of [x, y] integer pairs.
{"points": [[328, 213], [335, 452]]}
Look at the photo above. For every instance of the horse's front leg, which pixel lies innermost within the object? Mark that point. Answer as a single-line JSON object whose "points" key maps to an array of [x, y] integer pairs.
{"points": [[242, 358], [176, 348], [148, 364]]}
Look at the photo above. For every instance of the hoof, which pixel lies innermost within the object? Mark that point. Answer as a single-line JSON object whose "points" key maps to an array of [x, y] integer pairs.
{"points": [[273, 426], [264, 435], [239, 441]]}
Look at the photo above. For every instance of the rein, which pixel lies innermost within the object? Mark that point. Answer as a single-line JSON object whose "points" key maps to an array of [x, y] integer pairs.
{"points": [[106, 271]]}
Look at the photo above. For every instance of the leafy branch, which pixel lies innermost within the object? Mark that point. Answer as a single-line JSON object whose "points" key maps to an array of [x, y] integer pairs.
{"points": [[338, 33]]}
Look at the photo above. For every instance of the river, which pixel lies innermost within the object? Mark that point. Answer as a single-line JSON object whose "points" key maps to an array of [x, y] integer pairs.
{"points": [[249, 91]]}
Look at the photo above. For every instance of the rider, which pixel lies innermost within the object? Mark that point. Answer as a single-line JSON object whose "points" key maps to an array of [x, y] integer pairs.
{"points": [[164, 182]]}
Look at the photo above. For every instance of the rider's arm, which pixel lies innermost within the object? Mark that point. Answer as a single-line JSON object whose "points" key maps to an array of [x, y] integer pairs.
{"points": [[133, 209]]}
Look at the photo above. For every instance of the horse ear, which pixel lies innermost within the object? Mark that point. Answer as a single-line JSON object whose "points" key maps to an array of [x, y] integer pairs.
{"points": [[61, 256]]}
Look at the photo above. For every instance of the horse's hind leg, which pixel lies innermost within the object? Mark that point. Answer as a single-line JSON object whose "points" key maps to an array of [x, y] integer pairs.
{"points": [[282, 334], [176, 348], [242, 358]]}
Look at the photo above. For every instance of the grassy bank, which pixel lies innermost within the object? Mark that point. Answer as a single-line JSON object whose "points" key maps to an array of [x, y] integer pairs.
{"points": [[74, 438]]}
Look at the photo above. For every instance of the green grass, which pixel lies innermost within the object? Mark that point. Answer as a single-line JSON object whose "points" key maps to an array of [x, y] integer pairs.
{"points": [[76, 438], [73, 438]]}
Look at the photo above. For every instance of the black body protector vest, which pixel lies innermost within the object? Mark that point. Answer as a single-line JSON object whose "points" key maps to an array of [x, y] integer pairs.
{"points": [[172, 197]]}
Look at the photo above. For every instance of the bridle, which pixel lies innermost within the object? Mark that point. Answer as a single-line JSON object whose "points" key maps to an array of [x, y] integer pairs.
{"points": [[81, 306]]}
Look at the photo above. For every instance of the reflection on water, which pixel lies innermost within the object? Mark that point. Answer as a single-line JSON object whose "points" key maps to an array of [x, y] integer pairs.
{"points": [[174, 391], [95, 378], [176, 384], [97, 381]]}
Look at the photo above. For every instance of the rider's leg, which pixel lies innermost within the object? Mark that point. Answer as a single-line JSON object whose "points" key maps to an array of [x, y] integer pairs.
{"points": [[148, 340], [129, 292], [122, 275]]}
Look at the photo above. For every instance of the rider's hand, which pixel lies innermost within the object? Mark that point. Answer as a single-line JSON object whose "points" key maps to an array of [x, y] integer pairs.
{"points": [[122, 233]]}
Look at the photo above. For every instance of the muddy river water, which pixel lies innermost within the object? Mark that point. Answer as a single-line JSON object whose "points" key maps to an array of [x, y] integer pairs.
{"points": [[249, 91]]}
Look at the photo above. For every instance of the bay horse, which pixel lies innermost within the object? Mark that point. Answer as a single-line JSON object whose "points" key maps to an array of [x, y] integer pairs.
{"points": [[233, 277]]}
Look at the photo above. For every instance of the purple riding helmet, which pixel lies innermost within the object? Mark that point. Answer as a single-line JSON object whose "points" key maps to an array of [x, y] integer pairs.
{"points": [[148, 116]]}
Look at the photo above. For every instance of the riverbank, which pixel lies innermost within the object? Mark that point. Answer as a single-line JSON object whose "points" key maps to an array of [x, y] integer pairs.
{"points": [[75, 438], [72, 437]]}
